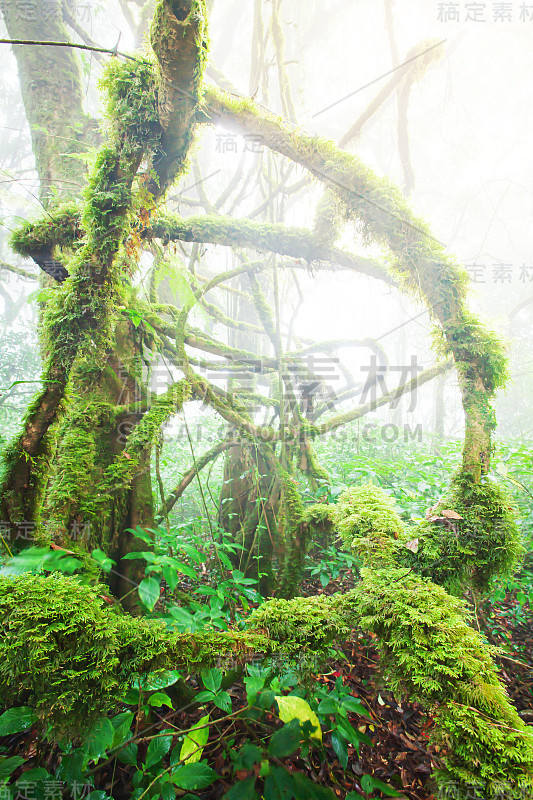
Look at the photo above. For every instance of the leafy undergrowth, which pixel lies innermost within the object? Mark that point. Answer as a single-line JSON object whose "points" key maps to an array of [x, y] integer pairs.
{"points": [[238, 750], [237, 746]]}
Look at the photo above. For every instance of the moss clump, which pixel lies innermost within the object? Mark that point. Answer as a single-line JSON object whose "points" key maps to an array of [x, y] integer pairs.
{"points": [[470, 551], [304, 622], [320, 518], [60, 649], [368, 522], [66, 653], [477, 350], [431, 653], [130, 91], [61, 227]]}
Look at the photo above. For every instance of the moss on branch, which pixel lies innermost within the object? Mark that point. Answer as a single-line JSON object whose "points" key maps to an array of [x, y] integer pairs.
{"points": [[72, 657]]}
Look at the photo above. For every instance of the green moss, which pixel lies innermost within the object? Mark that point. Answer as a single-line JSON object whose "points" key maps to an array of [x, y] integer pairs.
{"points": [[120, 474], [477, 351], [320, 517], [60, 227], [130, 91], [304, 622], [72, 657], [433, 655], [470, 551], [369, 524], [295, 534]]}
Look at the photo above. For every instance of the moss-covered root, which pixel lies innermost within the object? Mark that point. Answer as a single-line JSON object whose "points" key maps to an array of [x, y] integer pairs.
{"points": [[433, 655], [72, 657]]}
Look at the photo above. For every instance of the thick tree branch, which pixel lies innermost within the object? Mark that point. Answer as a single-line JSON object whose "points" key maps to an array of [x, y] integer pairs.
{"points": [[361, 411], [188, 477]]}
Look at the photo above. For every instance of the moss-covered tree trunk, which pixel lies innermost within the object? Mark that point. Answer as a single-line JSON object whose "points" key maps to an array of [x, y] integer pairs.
{"points": [[50, 82], [92, 483]]}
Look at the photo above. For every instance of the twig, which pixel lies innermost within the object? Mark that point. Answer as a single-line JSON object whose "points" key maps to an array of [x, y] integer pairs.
{"points": [[75, 45]]}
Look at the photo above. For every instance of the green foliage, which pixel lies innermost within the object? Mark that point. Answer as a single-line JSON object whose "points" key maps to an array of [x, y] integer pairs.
{"points": [[227, 592], [332, 565], [333, 710]]}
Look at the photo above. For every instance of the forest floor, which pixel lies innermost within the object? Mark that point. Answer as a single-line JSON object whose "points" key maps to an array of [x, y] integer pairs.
{"points": [[400, 755]]}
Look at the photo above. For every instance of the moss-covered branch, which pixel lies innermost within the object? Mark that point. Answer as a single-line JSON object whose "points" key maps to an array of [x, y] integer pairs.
{"points": [[361, 411], [420, 262], [297, 243], [189, 475]]}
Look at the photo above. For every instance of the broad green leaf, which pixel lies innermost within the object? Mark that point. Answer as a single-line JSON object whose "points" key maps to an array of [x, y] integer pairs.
{"points": [[212, 679], [137, 778], [171, 577], [98, 795], [16, 720], [369, 783], [182, 617], [355, 706], [103, 560], [35, 775], [340, 747], [157, 749], [244, 790], [195, 741], [225, 559], [149, 592], [349, 733], [328, 706], [122, 724], [194, 776], [160, 699], [179, 566], [223, 701], [279, 784], [158, 680], [72, 767], [99, 739], [9, 765], [193, 553], [297, 708], [168, 792], [205, 697], [140, 555], [141, 533], [285, 741], [128, 755], [248, 756], [303, 787]]}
